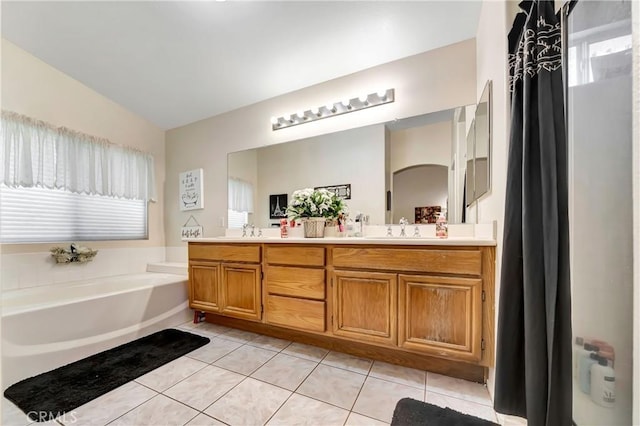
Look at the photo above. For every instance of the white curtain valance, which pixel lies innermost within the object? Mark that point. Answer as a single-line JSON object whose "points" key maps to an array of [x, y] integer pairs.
{"points": [[37, 154], [240, 195]]}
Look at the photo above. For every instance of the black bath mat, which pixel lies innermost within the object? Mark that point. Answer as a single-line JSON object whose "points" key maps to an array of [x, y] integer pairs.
{"points": [[51, 394], [410, 412]]}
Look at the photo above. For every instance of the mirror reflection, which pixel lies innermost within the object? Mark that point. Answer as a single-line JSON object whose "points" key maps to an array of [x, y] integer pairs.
{"points": [[479, 149], [410, 168]]}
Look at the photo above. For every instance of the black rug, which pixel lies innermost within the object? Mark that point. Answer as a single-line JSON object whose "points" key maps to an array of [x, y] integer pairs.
{"points": [[410, 412], [51, 394]]}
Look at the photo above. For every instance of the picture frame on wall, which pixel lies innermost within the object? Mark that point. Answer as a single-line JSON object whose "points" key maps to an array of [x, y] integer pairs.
{"points": [[342, 191], [191, 190], [277, 206]]}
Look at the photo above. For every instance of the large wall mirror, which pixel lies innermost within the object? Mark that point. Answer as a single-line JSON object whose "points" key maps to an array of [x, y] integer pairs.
{"points": [[479, 149], [386, 171]]}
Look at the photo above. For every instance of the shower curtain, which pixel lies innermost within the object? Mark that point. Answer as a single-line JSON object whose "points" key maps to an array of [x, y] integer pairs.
{"points": [[533, 366]]}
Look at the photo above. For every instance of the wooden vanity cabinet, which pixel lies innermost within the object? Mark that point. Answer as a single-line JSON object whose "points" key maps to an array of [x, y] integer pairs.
{"points": [[439, 298], [225, 279], [295, 287], [441, 316], [364, 306]]}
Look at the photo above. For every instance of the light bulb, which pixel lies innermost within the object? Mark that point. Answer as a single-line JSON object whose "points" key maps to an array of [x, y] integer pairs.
{"points": [[315, 111], [287, 117], [364, 99], [274, 120], [331, 107], [347, 103], [382, 94], [301, 115]]}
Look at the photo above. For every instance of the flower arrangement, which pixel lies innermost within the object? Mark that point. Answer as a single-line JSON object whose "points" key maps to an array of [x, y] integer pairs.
{"points": [[310, 202], [74, 253]]}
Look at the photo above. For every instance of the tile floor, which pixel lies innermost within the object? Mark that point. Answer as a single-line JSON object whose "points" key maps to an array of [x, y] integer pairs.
{"points": [[242, 378]]}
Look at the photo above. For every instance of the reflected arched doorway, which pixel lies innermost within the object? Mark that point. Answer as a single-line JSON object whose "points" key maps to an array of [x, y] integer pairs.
{"points": [[422, 185]]}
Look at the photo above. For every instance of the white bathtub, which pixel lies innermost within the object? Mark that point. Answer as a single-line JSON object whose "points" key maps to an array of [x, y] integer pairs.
{"points": [[46, 327]]}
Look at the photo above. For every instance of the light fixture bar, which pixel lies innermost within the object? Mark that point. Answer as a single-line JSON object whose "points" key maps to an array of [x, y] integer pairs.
{"points": [[343, 106]]}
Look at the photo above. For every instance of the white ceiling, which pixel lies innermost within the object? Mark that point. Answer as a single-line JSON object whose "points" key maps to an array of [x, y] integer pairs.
{"points": [[175, 62]]}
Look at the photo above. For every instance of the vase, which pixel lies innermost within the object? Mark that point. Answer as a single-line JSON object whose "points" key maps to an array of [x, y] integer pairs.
{"points": [[314, 227]]}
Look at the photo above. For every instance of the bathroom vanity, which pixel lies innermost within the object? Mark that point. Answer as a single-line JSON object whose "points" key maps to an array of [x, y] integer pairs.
{"points": [[423, 303]]}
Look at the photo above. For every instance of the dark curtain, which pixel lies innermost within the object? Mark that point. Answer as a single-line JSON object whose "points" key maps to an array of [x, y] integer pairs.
{"points": [[533, 361]]}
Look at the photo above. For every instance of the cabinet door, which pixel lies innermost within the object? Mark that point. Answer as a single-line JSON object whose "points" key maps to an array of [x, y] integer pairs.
{"points": [[240, 291], [204, 281], [365, 306], [441, 316]]}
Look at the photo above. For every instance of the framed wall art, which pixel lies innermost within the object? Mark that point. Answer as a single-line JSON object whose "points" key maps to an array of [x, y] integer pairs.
{"points": [[342, 191], [191, 190]]}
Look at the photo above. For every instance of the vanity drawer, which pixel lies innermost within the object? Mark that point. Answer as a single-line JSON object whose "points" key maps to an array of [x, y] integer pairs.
{"points": [[298, 282], [465, 261], [296, 256], [295, 313], [224, 252]]}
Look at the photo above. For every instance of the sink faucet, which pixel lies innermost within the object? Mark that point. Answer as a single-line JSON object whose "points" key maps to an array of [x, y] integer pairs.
{"points": [[389, 233], [253, 230], [244, 229], [403, 222], [416, 232]]}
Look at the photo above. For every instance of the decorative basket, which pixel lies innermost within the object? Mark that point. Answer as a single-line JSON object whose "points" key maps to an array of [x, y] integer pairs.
{"points": [[314, 227]]}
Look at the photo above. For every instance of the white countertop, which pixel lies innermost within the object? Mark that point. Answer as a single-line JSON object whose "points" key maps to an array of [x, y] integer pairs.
{"points": [[425, 241]]}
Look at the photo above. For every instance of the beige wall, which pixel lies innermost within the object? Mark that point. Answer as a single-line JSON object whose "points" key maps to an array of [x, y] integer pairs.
{"points": [[355, 157], [432, 81], [33, 88], [430, 144], [496, 19]]}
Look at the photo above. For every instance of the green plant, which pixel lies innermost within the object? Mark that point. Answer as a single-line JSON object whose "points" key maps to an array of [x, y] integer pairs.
{"points": [[310, 202]]}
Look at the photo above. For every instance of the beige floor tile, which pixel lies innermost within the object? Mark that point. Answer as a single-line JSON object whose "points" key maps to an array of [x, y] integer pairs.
{"points": [[162, 378], [252, 402], [461, 405], [204, 387], [378, 398], [285, 371], [214, 328], [458, 388], [112, 405], [159, 410], [312, 353], [239, 335], [506, 420], [12, 415], [333, 385], [398, 374], [348, 362], [300, 410], [268, 342], [356, 419], [245, 360], [214, 350], [204, 420]]}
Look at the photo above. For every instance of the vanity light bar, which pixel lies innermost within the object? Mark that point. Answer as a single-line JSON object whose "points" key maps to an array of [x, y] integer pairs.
{"points": [[332, 109]]}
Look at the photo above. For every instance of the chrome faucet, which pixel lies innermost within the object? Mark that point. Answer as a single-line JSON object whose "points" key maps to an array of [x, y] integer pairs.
{"points": [[403, 222], [389, 233], [416, 232], [253, 230], [244, 229]]}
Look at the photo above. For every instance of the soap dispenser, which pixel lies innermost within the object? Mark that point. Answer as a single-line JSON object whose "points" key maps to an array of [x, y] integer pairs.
{"points": [[442, 230]]}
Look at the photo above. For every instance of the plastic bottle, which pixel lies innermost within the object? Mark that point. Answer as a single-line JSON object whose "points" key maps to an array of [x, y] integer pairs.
{"points": [[584, 371], [284, 228], [578, 351], [442, 230], [603, 383]]}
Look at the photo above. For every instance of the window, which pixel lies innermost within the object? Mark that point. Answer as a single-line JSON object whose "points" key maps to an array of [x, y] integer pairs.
{"points": [[240, 202], [60, 185], [237, 219]]}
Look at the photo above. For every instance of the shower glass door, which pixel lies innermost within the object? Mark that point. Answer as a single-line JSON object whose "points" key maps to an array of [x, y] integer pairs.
{"points": [[599, 113]]}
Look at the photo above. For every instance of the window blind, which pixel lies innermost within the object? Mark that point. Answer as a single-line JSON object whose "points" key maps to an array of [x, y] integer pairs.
{"points": [[52, 215], [236, 219]]}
